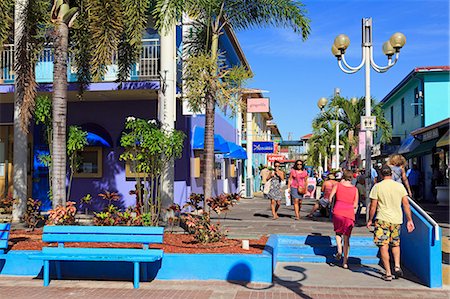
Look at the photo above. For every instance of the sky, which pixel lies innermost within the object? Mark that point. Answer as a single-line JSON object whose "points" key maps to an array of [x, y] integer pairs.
{"points": [[297, 73]]}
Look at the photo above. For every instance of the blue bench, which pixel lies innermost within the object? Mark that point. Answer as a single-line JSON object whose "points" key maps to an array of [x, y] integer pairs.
{"points": [[4, 235], [108, 234]]}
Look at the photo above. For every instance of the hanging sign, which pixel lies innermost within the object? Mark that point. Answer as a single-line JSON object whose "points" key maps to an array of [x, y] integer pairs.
{"points": [[263, 147], [256, 105]]}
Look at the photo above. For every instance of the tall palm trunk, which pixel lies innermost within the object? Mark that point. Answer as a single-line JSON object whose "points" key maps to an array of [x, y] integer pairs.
{"points": [[61, 37], [20, 136], [210, 108]]}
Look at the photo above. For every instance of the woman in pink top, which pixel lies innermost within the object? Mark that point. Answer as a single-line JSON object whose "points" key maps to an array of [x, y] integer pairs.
{"points": [[346, 201], [297, 177]]}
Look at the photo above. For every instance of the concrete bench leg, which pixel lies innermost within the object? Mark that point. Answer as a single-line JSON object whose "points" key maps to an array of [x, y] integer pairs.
{"points": [[46, 273], [136, 275]]}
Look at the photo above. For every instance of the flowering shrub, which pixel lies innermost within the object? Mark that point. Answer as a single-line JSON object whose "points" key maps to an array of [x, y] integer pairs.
{"points": [[32, 215], [63, 215], [112, 216], [203, 230], [195, 201], [200, 225], [109, 196], [148, 148], [6, 205], [223, 202]]}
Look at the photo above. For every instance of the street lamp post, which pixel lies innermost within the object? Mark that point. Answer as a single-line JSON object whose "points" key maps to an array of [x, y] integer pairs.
{"points": [[391, 47]]}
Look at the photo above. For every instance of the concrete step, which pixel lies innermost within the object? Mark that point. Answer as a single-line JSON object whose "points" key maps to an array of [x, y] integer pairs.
{"points": [[356, 250], [322, 240], [312, 258]]}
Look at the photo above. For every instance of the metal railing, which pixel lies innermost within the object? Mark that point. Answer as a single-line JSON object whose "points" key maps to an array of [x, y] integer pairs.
{"points": [[427, 217], [147, 67]]}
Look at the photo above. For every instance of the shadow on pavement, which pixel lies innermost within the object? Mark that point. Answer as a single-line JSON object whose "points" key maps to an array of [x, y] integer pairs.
{"points": [[244, 273]]}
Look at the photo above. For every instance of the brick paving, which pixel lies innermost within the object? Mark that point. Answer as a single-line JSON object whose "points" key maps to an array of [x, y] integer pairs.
{"points": [[23, 287], [251, 218]]}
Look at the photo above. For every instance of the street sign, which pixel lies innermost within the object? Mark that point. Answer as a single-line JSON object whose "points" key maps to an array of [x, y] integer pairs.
{"points": [[263, 147], [368, 123]]}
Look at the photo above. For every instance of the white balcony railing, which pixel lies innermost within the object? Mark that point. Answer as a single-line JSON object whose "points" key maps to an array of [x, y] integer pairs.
{"points": [[147, 67]]}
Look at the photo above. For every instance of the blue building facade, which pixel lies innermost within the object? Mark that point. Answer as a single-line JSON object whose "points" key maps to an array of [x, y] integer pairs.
{"points": [[418, 110], [102, 113]]}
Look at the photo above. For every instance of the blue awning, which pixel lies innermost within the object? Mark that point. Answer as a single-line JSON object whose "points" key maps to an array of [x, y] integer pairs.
{"points": [[198, 141], [95, 140], [408, 145], [236, 152]]}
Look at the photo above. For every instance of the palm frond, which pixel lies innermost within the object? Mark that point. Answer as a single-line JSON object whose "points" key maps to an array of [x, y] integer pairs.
{"points": [[81, 44], [246, 14], [30, 42], [6, 20], [135, 15], [106, 27]]}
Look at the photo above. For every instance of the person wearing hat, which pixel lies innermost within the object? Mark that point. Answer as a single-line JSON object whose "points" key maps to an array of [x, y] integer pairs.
{"points": [[387, 198], [325, 201]]}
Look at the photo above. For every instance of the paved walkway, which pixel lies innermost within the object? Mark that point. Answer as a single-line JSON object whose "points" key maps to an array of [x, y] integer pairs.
{"points": [[23, 287], [251, 218]]}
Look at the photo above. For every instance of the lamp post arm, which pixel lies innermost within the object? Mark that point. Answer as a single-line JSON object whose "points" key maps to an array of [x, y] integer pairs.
{"points": [[344, 69], [382, 69], [354, 68]]}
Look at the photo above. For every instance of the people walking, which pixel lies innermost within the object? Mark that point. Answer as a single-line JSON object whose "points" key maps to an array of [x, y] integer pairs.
{"points": [[397, 163], [264, 173], [275, 193], [346, 200], [325, 201], [387, 199], [361, 186], [297, 185], [414, 177]]}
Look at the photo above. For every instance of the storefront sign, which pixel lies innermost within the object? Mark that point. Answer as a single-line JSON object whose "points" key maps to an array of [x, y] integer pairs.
{"points": [[430, 134], [258, 105], [263, 147], [275, 157]]}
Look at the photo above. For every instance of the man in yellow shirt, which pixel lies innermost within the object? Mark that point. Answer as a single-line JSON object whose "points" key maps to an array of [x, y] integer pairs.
{"points": [[387, 198]]}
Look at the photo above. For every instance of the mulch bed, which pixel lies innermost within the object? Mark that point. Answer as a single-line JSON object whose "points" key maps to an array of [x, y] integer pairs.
{"points": [[173, 243]]}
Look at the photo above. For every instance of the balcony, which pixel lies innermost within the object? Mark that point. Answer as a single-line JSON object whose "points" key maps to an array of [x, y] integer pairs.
{"points": [[146, 69]]}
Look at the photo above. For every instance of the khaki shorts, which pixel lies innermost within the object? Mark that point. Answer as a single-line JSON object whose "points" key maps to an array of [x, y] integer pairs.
{"points": [[386, 233]]}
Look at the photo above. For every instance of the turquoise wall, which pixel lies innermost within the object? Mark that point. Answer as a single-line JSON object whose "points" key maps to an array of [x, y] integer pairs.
{"points": [[411, 121], [437, 96]]}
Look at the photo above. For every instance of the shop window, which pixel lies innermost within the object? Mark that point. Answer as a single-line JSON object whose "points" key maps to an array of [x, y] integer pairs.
{"points": [[416, 101], [392, 117], [403, 110], [130, 172], [91, 165]]}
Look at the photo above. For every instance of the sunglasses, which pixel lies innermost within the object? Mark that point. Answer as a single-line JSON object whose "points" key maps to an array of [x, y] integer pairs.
{"points": [[299, 164]]}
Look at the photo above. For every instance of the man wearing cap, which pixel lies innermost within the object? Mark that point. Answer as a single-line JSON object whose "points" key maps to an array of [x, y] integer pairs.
{"points": [[387, 198]]}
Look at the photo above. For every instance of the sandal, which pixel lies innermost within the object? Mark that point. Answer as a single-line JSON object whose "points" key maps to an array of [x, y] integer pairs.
{"points": [[386, 277], [398, 272], [345, 266], [338, 256]]}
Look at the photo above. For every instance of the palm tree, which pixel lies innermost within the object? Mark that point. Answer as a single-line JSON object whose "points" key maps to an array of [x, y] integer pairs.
{"points": [[29, 27], [320, 142], [213, 16], [349, 113], [99, 29]]}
